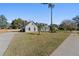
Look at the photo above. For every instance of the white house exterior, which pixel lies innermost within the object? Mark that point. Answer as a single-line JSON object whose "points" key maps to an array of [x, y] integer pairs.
{"points": [[31, 27], [45, 28]]}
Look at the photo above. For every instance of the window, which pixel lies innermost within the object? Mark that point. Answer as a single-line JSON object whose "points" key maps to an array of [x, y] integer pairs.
{"points": [[34, 29], [29, 28]]}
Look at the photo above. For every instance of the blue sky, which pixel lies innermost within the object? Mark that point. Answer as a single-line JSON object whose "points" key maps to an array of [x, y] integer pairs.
{"points": [[39, 12]]}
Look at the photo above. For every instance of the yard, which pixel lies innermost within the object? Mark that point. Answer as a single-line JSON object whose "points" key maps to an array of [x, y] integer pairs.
{"points": [[31, 44], [2, 31]]}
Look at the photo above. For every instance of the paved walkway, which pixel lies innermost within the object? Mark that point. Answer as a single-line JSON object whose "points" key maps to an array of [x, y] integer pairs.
{"points": [[5, 40], [70, 47]]}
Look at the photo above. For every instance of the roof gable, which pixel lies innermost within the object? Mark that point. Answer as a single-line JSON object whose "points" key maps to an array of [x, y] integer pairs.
{"points": [[31, 23]]}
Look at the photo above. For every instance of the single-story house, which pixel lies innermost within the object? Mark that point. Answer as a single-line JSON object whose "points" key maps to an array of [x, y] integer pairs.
{"points": [[32, 27], [45, 28]]}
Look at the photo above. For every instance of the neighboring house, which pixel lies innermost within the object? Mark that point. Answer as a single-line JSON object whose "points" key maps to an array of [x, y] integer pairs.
{"points": [[45, 28], [31, 27]]}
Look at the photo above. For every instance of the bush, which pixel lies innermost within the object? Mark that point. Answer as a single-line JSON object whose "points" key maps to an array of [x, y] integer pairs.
{"points": [[54, 29], [22, 30]]}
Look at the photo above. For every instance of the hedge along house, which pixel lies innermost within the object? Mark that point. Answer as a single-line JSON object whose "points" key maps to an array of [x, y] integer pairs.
{"points": [[31, 27], [45, 28]]}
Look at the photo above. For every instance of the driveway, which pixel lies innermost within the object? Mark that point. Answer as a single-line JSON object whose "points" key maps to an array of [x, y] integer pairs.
{"points": [[70, 47], [5, 39]]}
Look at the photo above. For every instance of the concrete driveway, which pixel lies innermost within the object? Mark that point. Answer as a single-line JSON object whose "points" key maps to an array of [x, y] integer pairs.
{"points": [[5, 39], [70, 47]]}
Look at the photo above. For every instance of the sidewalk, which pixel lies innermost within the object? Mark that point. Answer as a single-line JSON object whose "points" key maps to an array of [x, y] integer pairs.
{"points": [[70, 47]]}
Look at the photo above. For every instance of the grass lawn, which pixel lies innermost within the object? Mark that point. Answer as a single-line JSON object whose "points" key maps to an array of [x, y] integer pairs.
{"points": [[30, 44]]}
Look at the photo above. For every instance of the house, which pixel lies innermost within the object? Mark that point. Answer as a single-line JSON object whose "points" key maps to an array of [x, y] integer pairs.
{"points": [[45, 28], [33, 27], [30, 27]]}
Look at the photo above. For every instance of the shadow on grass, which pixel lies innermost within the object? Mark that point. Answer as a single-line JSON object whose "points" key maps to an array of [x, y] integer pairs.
{"points": [[34, 33], [13, 31]]}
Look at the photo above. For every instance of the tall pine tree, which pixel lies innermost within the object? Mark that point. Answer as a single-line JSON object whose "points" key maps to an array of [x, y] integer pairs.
{"points": [[3, 21]]}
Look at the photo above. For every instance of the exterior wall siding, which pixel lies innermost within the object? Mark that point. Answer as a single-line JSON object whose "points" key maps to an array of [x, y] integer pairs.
{"points": [[32, 26], [45, 28]]}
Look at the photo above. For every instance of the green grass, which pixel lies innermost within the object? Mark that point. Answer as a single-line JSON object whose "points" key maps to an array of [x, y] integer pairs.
{"points": [[31, 44]]}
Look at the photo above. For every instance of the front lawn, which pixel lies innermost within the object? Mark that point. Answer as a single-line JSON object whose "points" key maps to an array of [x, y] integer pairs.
{"points": [[35, 45]]}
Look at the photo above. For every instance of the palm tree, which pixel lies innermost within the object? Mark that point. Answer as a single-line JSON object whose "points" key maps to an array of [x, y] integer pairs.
{"points": [[50, 5]]}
